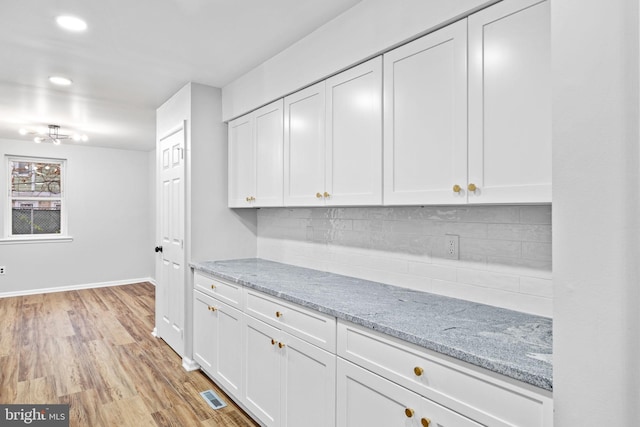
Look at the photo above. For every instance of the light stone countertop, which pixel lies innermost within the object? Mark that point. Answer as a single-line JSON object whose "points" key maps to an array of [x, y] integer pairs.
{"points": [[511, 343]]}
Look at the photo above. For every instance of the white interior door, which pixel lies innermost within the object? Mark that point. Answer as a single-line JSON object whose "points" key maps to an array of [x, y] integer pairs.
{"points": [[170, 292]]}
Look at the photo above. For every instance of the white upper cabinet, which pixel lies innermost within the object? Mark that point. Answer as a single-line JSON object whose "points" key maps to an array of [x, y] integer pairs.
{"points": [[510, 103], [354, 136], [425, 119], [333, 140], [256, 158], [242, 159], [304, 126]]}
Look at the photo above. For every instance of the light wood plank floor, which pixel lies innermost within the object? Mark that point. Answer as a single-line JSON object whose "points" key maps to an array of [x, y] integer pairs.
{"points": [[93, 349]]}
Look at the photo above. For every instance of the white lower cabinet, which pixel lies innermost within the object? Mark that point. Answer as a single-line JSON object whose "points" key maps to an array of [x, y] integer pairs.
{"points": [[396, 366], [366, 399], [217, 343], [288, 382], [291, 366]]}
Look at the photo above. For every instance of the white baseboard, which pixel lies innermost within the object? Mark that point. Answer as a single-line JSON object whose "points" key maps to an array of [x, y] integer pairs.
{"points": [[189, 364], [76, 287]]}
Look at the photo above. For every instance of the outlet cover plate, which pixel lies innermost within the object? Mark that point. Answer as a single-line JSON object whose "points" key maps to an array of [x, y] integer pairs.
{"points": [[452, 246]]}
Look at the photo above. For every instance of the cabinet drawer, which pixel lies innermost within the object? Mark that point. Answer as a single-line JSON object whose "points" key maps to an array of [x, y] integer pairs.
{"points": [[226, 292], [366, 399], [482, 397], [317, 328]]}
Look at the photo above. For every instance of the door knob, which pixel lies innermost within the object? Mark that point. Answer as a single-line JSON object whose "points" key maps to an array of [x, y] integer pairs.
{"points": [[158, 249]]}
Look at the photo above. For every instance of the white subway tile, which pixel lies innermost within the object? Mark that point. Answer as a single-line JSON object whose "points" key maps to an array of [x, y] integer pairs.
{"points": [[519, 232], [491, 248], [535, 214], [534, 286], [433, 271], [489, 279], [534, 250]]}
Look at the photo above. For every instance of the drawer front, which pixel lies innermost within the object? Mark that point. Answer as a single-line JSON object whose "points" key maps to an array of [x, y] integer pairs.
{"points": [[366, 399], [228, 293], [314, 327], [479, 396]]}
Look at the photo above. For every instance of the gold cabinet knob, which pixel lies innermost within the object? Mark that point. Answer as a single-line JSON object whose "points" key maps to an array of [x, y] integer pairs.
{"points": [[211, 308], [252, 199], [409, 412], [318, 195], [472, 187], [280, 345], [213, 286], [418, 371], [246, 199], [326, 194], [426, 422], [457, 188], [279, 314], [273, 342]]}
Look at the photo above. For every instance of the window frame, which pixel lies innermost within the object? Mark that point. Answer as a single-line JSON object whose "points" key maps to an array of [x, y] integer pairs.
{"points": [[8, 236]]}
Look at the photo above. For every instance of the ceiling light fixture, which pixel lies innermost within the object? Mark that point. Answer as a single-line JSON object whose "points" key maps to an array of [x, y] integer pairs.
{"points": [[52, 134], [60, 81], [71, 23]]}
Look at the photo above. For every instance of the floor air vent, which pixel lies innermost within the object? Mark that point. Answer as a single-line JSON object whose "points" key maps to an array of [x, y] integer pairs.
{"points": [[213, 399]]}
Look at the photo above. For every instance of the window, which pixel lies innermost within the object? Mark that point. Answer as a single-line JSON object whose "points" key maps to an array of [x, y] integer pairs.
{"points": [[36, 197]]}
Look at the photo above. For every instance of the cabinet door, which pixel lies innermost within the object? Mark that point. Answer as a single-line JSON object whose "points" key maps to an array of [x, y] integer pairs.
{"points": [[354, 136], [366, 399], [227, 367], [304, 155], [262, 371], [204, 345], [308, 381], [268, 131], [242, 163], [425, 119], [510, 103]]}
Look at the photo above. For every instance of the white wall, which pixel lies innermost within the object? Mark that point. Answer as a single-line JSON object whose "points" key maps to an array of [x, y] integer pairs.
{"points": [[505, 251], [595, 212], [109, 208], [365, 30], [213, 230]]}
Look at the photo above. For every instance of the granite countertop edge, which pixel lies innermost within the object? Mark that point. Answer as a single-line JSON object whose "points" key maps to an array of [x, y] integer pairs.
{"points": [[510, 370]]}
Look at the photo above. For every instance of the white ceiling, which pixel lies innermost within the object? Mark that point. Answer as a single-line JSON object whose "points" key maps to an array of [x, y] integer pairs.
{"points": [[134, 56]]}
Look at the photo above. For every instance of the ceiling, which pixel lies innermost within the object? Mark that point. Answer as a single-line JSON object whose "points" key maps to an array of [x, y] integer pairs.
{"points": [[133, 57]]}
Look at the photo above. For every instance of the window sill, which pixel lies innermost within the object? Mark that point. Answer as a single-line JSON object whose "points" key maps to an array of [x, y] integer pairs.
{"points": [[32, 239]]}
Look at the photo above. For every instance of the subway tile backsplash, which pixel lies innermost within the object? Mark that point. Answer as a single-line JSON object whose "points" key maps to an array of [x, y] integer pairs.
{"points": [[505, 251]]}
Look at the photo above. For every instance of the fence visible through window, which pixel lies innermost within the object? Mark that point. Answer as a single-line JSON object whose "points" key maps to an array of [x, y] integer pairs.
{"points": [[35, 221]]}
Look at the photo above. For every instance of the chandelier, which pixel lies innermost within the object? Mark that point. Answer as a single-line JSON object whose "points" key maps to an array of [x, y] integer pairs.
{"points": [[52, 135]]}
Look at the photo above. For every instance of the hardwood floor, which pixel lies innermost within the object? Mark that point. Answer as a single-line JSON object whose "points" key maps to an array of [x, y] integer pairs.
{"points": [[93, 349]]}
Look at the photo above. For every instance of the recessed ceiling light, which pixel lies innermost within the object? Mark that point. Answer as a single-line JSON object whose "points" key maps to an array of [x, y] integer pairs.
{"points": [[71, 23], [60, 81]]}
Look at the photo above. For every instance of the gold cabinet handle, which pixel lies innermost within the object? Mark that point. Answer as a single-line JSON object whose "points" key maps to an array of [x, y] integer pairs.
{"points": [[418, 371], [273, 342], [253, 199], [426, 422], [279, 314], [280, 345], [472, 187], [318, 196], [409, 412], [213, 286], [212, 308], [326, 194], [246, 199], [457, 188]]}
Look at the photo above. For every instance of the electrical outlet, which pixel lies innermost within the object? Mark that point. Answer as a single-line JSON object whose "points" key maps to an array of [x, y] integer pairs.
{"points": [[451, 246], [3, 269]]}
